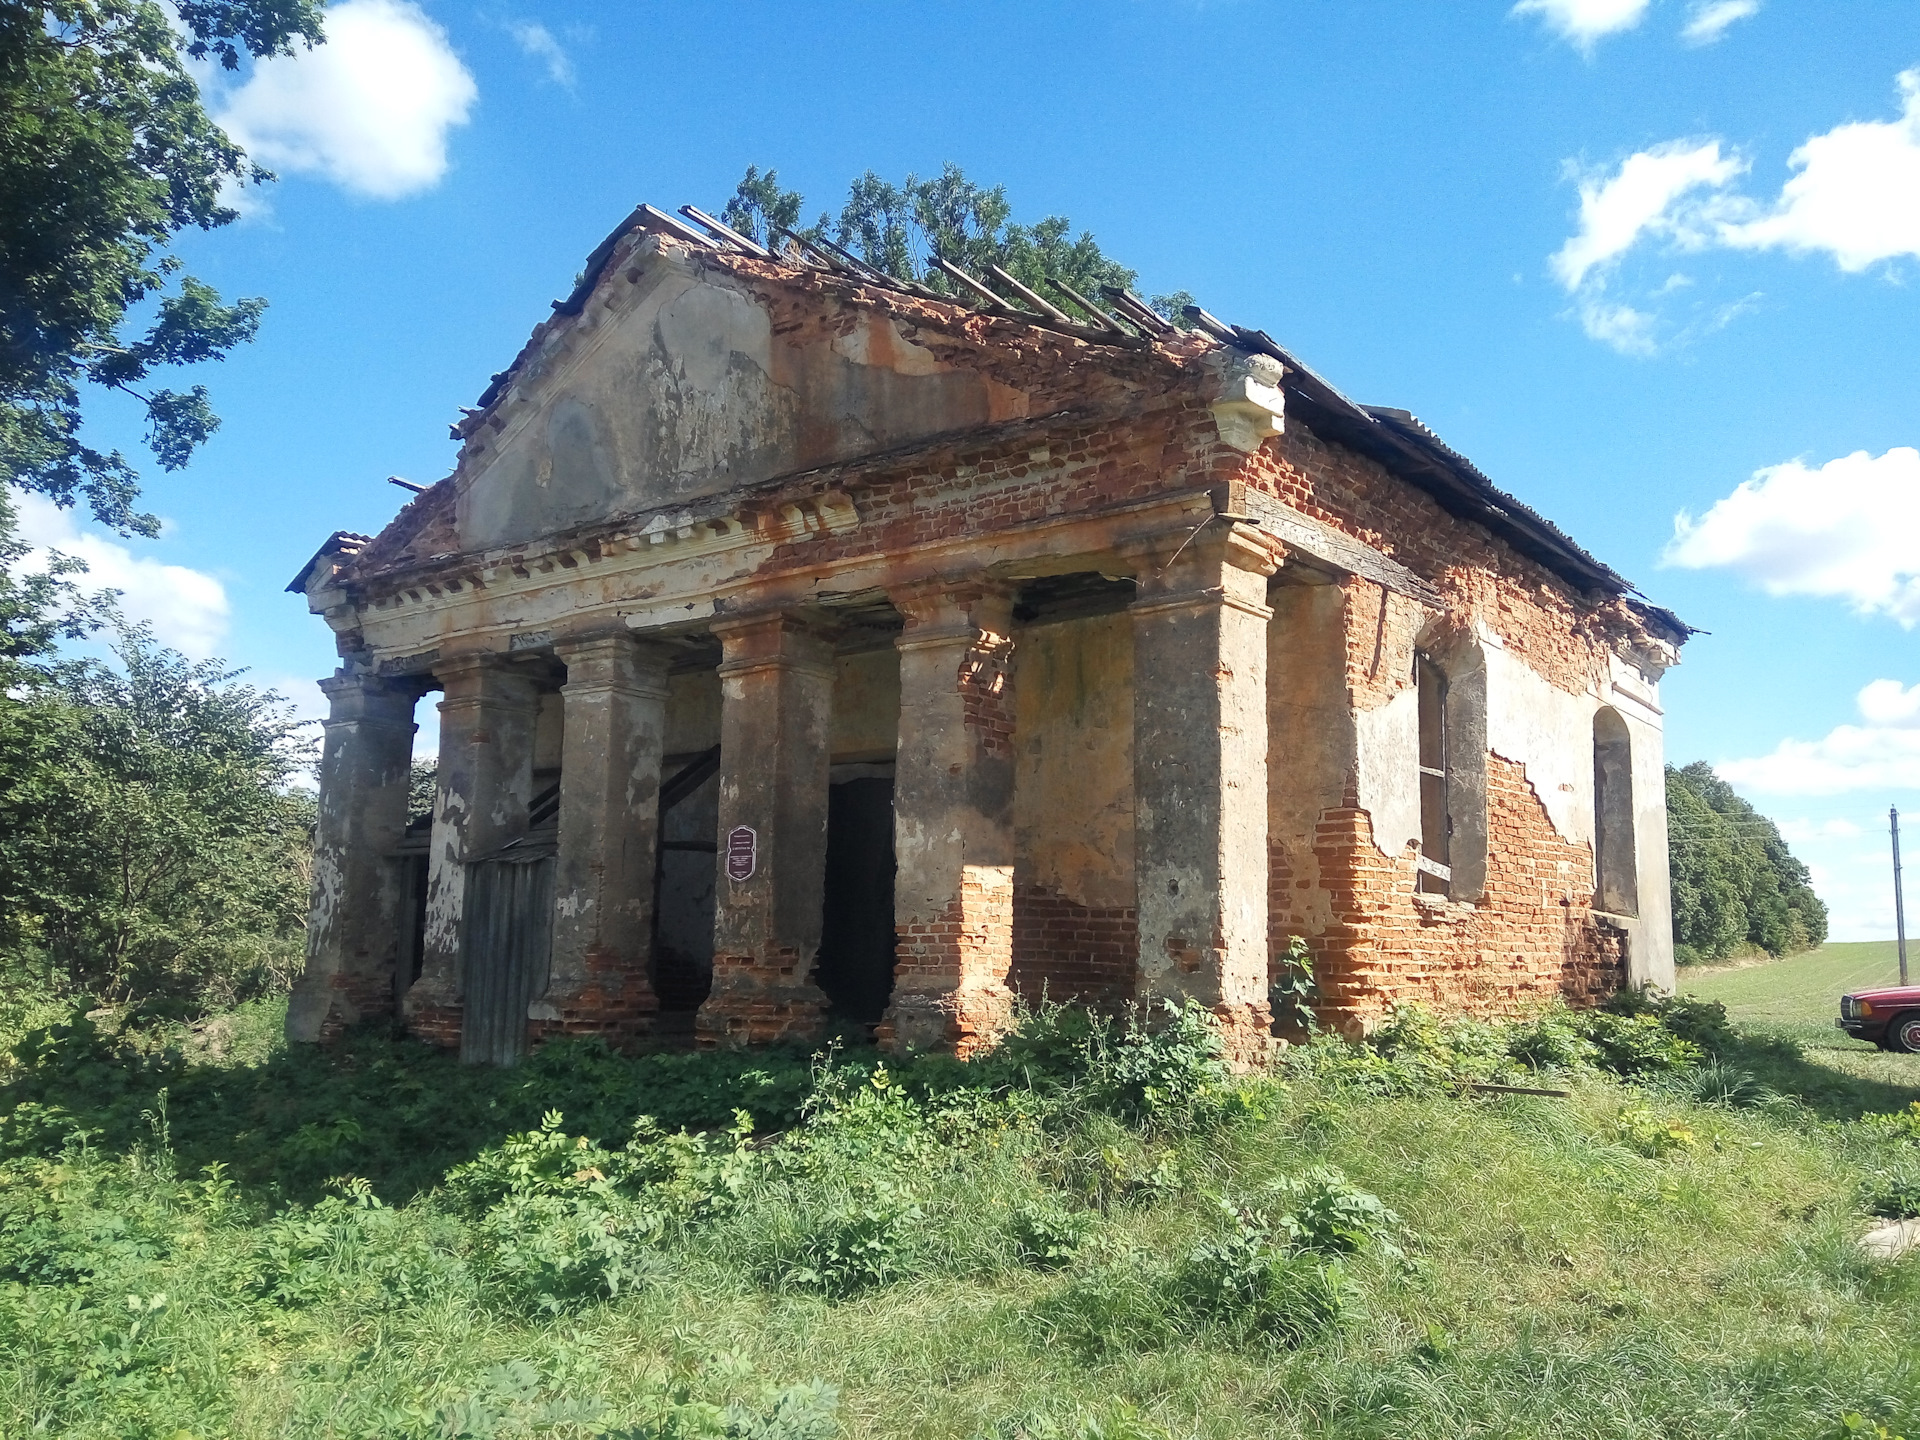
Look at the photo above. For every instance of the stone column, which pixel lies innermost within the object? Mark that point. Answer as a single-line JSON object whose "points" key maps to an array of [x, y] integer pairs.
{"points": [[953, 820], [1200, 780], [776, 709], [485, 785], [353, 934], [616, 718]]}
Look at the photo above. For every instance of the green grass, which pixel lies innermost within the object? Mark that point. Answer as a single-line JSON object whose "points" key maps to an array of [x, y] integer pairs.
{"points": [[1796, 1000], [1627, 1262]]}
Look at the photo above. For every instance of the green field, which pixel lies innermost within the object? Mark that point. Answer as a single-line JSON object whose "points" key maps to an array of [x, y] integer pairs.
{"points": [[1797, 999]]}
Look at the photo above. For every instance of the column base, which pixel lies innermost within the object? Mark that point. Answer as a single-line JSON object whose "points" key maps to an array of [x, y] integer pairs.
{"points": [[432, 1016], [759, 1002], [962, 1022], [1246, 1036], [323, 1006], [615, 1001]]}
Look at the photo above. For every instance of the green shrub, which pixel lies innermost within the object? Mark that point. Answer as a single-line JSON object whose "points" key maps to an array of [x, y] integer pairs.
{"points": [[1328, 1215], [54, 1231], [1716, 1083], [1155, 1065], [1047, 1237], [866, 1241], [1897, 1127], [1640, 1045], [1552, 1040], [1891, 1194], [550, 1253], [1118, 1307], [1294, 993], [516, 1400], [351, 1250], [1116, 1420], [1654, 1136], [1252, 1283]]}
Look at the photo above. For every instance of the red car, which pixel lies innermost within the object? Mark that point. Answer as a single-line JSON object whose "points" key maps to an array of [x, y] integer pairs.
{"points": [[1890, 1017]]}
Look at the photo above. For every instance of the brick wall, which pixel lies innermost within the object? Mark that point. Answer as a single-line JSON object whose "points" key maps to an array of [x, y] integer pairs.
{"points": [[1066, 951], [615, 1001], [1534, 937]]}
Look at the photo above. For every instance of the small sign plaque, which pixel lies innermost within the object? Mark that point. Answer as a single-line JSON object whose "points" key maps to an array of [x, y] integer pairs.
{"points": [[743, 852]]}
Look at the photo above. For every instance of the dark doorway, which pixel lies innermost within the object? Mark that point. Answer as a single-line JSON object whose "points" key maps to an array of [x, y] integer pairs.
{"points": [[684, 883], [856, 934]]}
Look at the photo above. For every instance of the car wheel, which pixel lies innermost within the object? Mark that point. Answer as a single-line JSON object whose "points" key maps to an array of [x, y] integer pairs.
{"points": [[1904, 1033]]}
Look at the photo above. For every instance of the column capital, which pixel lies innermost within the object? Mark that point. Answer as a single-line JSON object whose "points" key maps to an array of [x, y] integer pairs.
{"points": [[357, 698], [484, 676], [785, 639], [614, 660], [1222, 563], [954, 610]]}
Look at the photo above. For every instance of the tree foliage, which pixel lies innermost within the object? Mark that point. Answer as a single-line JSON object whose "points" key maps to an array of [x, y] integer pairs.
{"points": [[150, 844], [900, 229], [1735, 882], [106, 154]]}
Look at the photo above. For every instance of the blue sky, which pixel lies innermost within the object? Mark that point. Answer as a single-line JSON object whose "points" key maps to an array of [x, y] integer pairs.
{"points": [[1639, 259]]}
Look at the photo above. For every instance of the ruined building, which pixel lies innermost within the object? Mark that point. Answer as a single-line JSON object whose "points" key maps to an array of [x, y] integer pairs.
{"points": [[813, 644]]}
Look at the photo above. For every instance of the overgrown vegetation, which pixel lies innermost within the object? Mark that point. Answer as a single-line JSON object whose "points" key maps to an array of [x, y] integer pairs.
{"points": [[901, 229], [151, 847], [1092, 1231], [1736, 885]]}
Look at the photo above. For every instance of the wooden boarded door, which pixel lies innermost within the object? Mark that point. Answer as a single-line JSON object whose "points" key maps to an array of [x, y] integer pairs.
{"points": [[506, 944]]}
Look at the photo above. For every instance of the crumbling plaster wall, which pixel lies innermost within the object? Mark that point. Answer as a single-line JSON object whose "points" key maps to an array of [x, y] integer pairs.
{"points": [[1342, 856], [679, 384], [1073, 906]]}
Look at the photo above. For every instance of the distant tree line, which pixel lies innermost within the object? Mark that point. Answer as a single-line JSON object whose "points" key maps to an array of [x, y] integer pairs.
{"points": [[1736, 886]]}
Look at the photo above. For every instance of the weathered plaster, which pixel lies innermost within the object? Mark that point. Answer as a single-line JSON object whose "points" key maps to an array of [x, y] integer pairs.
{"points": [[1073, 784]]}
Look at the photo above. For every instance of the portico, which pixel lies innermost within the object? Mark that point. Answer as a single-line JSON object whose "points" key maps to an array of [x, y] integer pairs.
{"points": [[931, 660]]}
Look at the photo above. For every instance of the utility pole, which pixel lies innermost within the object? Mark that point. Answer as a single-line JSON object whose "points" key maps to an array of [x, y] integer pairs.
{"points": [[1899, 909]]}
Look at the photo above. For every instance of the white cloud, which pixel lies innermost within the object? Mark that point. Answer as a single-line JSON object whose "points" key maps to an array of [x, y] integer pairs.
{"points": [[1670, 192], [1710, 20], [369, 110], [1582, 22], [1882, 754], [1626, 329], [1849, 757], [1656, 193], [187, 608], [535, 40], [1856, 195], [1888, 702], [1845, 530]]}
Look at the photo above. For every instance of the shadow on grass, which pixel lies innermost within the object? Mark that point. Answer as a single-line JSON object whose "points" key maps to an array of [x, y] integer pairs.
{"points": [[1831, 1093], [393, 1111]]}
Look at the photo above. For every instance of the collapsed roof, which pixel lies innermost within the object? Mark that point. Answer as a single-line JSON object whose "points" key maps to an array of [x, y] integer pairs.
{"points": [[1394, 438]]}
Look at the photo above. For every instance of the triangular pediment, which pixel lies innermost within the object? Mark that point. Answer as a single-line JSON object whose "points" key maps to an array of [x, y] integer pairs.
{"points": [[681, 379]]}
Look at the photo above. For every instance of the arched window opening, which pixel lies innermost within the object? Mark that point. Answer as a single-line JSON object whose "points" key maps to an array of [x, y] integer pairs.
{"points": [[1436, 823], [1615, 859]]}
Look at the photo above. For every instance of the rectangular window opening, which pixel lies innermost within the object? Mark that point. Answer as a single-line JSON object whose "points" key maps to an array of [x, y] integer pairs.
{"points": [[1436, 825]]}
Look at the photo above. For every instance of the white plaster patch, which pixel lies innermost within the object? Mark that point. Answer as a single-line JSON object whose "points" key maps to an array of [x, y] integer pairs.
{"points": [[894, 351], [1536, 725], [1387, 746]]}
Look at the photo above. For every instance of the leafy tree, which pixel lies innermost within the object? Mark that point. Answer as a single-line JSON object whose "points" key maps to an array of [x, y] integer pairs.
{"points": [[1735, 882], [106, 154], [149, 841], [900, 230], [37, 611]]}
